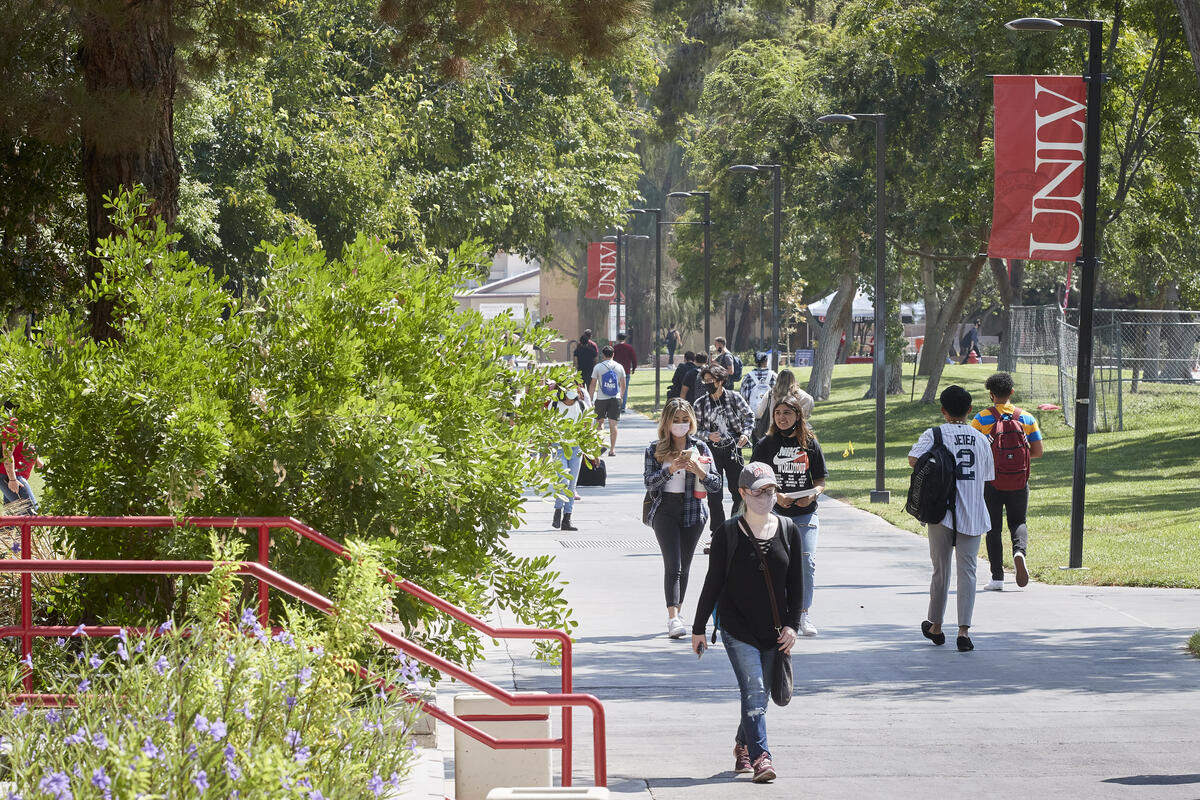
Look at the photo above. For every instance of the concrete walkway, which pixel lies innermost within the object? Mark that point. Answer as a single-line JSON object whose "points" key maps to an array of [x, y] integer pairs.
{"points": [[1072, 692]]}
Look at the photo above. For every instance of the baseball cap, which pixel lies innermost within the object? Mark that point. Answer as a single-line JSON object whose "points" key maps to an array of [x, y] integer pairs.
{"points": [[756, 475]]}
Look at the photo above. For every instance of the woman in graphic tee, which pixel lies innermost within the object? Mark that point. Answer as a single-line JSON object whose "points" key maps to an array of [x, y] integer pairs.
{"points": [[792, 450]]}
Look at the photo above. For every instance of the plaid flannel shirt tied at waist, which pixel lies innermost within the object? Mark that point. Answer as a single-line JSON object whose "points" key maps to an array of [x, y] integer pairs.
{"points": [[656, 475]]}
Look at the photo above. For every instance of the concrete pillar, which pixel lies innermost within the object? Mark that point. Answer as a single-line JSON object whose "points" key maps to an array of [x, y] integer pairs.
{"points": [[478, 769]]}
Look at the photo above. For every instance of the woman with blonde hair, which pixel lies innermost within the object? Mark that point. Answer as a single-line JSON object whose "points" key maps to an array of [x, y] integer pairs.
{"points": [[679, 474], [793, 452]]}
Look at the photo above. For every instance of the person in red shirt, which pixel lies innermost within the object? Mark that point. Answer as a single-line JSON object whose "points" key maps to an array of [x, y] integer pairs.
{"points": [[20, 458], [626, 356]]}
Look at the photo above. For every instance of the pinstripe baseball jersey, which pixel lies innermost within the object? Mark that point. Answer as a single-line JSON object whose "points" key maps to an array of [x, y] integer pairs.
{"points": [[973, 455]]}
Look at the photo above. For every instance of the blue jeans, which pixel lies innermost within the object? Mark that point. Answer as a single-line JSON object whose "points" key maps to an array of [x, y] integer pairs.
{"points": [[809, 528], [570, 464], [625, 394], [26, 491], [754, 669]]}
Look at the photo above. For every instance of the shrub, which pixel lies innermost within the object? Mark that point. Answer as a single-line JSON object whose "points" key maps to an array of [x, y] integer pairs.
{"points": [[350, 392], [219, 707]]}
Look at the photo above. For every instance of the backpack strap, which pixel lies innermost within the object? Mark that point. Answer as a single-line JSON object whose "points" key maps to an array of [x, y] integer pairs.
{"points": [[937, 442]]}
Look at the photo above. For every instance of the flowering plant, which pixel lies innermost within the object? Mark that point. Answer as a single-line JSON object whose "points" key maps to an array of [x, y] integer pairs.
{"points": [[219, 706]]}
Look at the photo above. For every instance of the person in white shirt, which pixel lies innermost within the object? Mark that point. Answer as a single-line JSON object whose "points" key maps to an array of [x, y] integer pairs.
{"points": [[572, 402], [958, 532], [608, 386]]}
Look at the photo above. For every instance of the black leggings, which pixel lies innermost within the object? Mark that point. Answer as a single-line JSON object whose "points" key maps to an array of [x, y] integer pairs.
{"points": [[729, 464], [678, 545], [1016, 503]]}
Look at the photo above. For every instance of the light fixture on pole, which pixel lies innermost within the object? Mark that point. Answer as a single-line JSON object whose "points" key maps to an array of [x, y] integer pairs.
{"points": [[1088, 262], [707, 223], [777, 213], [657, 212], [879, 368]]}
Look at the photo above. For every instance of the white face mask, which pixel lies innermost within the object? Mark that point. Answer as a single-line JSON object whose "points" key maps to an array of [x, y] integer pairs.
{"points": [[681, 429], [762, 504], [572, 395]]}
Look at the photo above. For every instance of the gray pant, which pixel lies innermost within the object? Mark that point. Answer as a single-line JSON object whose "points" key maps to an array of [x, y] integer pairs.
{"points": [[944, 542]]}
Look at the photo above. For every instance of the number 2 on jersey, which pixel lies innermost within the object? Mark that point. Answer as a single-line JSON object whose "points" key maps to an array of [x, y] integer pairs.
{"points": [[965, 459]]}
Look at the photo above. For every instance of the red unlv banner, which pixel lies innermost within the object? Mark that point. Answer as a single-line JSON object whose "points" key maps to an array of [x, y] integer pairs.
{"points": [[602, 271], [1037, 210]]}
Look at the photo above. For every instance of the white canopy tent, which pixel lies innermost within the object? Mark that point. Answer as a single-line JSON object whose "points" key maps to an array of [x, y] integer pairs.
{"points": [[863, 309]]}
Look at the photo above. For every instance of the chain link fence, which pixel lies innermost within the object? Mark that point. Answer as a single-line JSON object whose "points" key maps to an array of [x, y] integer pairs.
{"points": [[1141, 360]]}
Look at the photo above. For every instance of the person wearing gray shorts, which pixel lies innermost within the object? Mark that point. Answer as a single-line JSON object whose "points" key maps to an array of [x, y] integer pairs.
{"points": [[607, 386]]}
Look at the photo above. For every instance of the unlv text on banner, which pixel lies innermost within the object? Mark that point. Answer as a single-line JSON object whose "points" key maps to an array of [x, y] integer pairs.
{"points": [[1037, 211], [602, 271]]}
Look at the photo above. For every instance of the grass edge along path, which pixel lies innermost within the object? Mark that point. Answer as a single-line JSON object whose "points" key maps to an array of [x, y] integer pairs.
{"points": [[1142, 515]]}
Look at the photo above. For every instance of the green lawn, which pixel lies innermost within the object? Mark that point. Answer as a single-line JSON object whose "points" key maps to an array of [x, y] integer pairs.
{"points": [[1142, 521]]}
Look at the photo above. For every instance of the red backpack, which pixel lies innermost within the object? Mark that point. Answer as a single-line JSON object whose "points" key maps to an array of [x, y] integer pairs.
{"points": [[1010, 451]]}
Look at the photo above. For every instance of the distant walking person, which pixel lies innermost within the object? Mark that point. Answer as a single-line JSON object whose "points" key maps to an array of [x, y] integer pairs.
{"points": [[754, 582], [626, 356], [959, 531], [725, 422], [607, 386], [678, 472], [969, 342], [723, 357], [672, 343], [682, 380], [1015, 439], [572, 403], [793, 451], [759, 381], [586, 356]]}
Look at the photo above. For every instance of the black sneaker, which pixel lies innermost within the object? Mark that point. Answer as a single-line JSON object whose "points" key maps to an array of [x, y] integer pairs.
{"points": [[964, 644], [936, 638]]}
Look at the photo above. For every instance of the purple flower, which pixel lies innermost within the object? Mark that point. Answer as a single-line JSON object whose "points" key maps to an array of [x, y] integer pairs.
{"points": [[376, 785], [123, 636], [230, 660], [290, 702], [192, 751], [53, 717], [217, 730], [139, 647], [249, 618], [201, 723], [395, 779], [78, 737], [99, 741], [285, 638], [292, 737], [79, 631], [56, 784], [245, 709], [168, 718], [60, 642], [83, 686], [166, 626], [94, 662], [27, 660], [302, 755], [304, 676], [315, 795], [370, 727], [318, 651], [20, 711], [100, 779], [16, 547], [232, 770], [200, 780], [304, 783], [161, 665], [149, 750]]}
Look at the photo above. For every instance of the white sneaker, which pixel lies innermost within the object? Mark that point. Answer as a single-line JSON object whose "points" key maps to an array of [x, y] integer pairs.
{"points": [[676, 629], [1022, 571], [806, 626], [994, 586]]}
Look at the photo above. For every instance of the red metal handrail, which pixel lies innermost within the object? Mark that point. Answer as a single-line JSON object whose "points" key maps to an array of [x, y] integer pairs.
{"points": [[268, 578]]}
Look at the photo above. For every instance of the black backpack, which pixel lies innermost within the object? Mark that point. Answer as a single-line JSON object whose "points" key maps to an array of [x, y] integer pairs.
{"points": [[736, 373], [933, 485]]}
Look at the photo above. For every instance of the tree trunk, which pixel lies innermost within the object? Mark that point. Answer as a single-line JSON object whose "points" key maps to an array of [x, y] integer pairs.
{"points": [[1189, 10], [934, 350], [821, 379], [948, 317], [128, 61], [1009, 279]]}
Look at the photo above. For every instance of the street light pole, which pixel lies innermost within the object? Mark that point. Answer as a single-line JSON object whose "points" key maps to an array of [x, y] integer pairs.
{"points": [[879, 367], [657, 212], [777, 213], [1088, 262]]}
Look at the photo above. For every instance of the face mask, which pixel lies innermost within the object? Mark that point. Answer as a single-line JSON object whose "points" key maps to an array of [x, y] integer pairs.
{"points": [[572, 395], [788, 431], [681, 428], [711, 388], [762, 504]]}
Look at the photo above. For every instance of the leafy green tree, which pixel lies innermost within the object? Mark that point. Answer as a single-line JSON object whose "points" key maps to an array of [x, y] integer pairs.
{"points": [[349, 392]]}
